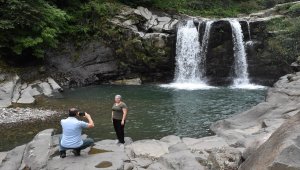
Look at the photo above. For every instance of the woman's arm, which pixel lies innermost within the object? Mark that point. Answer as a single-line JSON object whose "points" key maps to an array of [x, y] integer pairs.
{"points": [[124, 115], [112, 116]]}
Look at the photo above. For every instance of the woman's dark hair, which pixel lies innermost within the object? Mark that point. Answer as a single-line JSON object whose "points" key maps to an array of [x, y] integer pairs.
{"points": [[73, 112]]}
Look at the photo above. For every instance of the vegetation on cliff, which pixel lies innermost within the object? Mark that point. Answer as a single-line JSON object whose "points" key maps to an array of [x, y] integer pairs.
{"points": [[283, 44], [28, 28]]}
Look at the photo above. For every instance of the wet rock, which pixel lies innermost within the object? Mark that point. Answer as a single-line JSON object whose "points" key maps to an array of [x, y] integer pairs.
{"points": [[135, 81]]}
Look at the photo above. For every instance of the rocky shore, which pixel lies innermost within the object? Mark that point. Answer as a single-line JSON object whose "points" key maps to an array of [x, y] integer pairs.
{"points": [[265, 137], [17, 115]]}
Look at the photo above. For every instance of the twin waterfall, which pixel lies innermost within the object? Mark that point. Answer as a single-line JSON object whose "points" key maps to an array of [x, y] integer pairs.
{"points": [[190, 70]]}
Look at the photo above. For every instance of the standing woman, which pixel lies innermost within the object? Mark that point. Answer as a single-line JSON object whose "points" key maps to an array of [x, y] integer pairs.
{"points": [[119, 113]]}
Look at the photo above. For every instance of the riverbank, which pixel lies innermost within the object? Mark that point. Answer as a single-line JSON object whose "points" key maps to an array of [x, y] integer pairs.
{"points": [[18, 115], [271, 126]]}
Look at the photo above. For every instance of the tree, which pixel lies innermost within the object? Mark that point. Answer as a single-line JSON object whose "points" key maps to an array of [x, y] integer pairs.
{"points": [[29, 25]]}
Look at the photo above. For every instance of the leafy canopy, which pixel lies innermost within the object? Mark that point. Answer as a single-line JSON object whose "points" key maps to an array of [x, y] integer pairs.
{"points": [[29, 25]]}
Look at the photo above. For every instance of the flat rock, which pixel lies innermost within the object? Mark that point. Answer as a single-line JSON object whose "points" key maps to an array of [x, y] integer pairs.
{"points": [[182, 160], [178, 147], [148, 148], [55, 87], [171, 139], [26, 96], [90, 162], [205, 144], [135, 81], [141, 162]]}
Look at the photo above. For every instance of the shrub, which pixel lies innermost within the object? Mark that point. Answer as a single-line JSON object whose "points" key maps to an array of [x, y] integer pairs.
{"points": [[294, 10], [29, 26]]}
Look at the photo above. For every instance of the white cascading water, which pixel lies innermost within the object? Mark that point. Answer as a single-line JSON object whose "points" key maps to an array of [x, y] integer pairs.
{"points": [[241, 79], [190, 58], [249, 42], [188, 54], [204, 47]]}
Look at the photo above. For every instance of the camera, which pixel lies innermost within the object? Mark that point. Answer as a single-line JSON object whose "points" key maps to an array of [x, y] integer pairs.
{"points": [[81, 113]]}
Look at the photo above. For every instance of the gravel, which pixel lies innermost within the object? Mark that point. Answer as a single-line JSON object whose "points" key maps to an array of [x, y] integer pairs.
{"points": [[15, 115]]}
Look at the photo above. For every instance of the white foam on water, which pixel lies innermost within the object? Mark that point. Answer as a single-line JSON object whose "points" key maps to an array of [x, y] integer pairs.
{"points": [[188, 86], [247, 86]]}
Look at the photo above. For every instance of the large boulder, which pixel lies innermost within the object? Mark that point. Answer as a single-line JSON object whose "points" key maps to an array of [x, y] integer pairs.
{"points": [[37, 152], [281, 151]]}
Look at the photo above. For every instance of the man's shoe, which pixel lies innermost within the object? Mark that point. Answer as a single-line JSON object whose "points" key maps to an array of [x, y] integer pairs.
{"points": [[76, 152], [62, 154]]}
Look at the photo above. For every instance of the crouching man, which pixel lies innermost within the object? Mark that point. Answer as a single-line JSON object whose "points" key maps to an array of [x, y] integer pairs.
{"points": [[71, 133]]}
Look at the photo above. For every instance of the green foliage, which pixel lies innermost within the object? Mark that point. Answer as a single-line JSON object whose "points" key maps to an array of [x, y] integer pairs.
{"points": [[30, 25], [295, 10], [88, 18], [278, 24], [284, 45], [217, 8], [137, 2]]}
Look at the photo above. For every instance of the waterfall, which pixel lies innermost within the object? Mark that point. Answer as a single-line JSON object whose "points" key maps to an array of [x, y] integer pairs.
{"points": [[188, 54], [190, 57], [241, 79], [204, 46], [249, 30], [240, 60], [249, 43]]}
